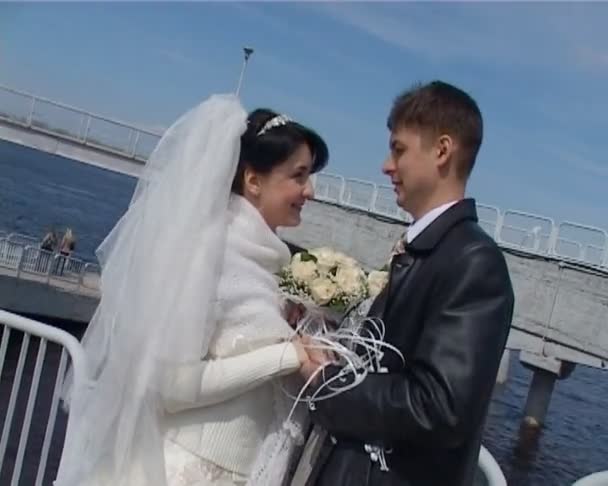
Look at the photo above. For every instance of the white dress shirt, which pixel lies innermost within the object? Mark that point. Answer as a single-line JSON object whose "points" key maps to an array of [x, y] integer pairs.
{"points": [[421, 224]]}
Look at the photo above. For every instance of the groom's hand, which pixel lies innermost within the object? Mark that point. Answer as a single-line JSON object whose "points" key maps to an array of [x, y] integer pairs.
{"points": [[317, 359]]}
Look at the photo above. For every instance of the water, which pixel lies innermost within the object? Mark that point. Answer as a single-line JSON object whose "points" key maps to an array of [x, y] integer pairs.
{"points": [[38, 191]]}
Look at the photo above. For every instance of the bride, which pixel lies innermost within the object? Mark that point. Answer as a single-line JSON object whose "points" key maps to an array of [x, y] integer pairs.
{"points": [[189, 352]]}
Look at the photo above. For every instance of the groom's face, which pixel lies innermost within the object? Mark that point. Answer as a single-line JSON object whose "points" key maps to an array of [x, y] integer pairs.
{"points": [[412, 168]]}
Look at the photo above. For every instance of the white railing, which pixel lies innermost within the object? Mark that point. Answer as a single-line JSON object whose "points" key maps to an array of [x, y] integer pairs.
{"points": [[29, 262], [519, 230], [490, 469], [70, 349], [595, 479], [76, 125]]}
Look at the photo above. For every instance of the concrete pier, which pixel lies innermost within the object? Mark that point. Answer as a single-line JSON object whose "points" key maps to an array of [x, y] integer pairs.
{"points": [[539, 397], [39, 283], [545, 373], [57, 299]]}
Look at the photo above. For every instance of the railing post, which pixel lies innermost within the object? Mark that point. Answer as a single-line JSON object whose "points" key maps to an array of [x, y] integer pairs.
{"points": [[342, 190], [135, 143], [553, 240], [372, 204], [536, 238], [20, 262], [30, 116], [86, 132], [81, 129], [500, 220], [49, 270]]}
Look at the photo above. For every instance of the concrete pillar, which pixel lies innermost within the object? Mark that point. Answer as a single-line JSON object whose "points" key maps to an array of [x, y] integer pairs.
{"points": [[546, 370], [539, 397]]}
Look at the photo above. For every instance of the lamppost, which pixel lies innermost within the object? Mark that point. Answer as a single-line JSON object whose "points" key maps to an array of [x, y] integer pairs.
{"points": [[247, 52]]}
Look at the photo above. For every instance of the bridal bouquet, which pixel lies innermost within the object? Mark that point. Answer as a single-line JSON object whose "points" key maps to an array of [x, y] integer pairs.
{"points": [[329, 279]]}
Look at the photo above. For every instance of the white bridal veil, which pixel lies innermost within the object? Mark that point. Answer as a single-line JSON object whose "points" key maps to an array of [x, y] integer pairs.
{"points": [[160, 265]]}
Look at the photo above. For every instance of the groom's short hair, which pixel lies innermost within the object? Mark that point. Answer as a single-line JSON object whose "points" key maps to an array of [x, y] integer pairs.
{"points": [[438, 108]]}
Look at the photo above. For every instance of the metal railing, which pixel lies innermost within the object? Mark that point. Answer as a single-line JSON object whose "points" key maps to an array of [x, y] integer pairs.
{"points": [[519, 230], [30, 331], [29, 261], [76, 125], [490, 468], [358, 194], [595, 479]]}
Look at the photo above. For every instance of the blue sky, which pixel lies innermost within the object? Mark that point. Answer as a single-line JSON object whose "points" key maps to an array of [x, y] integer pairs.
{"points": [[539, 72]]}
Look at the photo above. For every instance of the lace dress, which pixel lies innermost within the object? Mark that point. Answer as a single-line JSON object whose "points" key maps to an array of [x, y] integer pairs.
{"points": [[186, 469]]}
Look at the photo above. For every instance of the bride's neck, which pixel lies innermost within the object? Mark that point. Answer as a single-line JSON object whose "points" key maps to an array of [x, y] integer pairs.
{"points": [[255, 203]]}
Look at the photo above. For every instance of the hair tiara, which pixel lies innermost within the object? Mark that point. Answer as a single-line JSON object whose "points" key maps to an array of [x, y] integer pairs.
{"points": [[275, 121]]}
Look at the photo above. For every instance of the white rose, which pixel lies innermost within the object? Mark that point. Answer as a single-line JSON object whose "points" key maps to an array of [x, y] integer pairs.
{"points": [[322, 290], [323, 253], [303, 271], [326, 259], [349, 279], [345, 260], [376, 281]]}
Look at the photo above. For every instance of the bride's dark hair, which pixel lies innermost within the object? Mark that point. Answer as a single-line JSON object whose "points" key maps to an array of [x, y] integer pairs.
{"points": [[263, 152]]}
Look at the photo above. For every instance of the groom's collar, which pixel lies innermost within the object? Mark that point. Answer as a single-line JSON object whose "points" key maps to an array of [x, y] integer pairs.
{"points": [[442, 219], [421, 224]]}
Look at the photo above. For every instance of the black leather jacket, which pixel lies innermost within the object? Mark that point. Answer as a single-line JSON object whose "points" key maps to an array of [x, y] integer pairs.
{"points": [[448, 309]]}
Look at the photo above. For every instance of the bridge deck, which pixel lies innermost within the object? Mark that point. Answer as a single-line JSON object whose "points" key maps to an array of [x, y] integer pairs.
{"points": [[90, 288]]}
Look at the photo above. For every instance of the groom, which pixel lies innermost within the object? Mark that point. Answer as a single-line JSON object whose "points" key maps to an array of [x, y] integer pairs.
{"points": [[447, 308]]}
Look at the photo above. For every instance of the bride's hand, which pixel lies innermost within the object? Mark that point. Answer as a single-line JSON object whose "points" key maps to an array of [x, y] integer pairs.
{"points": [[301, 351], [311, 359], [294, 312], [320, 356]]}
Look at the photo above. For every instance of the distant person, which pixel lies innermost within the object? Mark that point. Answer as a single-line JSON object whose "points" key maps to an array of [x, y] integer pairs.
{"points": [[66, 247], [49, 242], [68, 243], [48, 245]]}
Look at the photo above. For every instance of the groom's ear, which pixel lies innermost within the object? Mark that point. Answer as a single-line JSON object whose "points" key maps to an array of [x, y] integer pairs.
{"points": [[444, 148], [252, 182]]}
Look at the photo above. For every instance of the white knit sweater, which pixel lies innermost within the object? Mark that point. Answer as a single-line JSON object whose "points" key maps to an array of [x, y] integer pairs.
{"points": [[221, 408]]}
